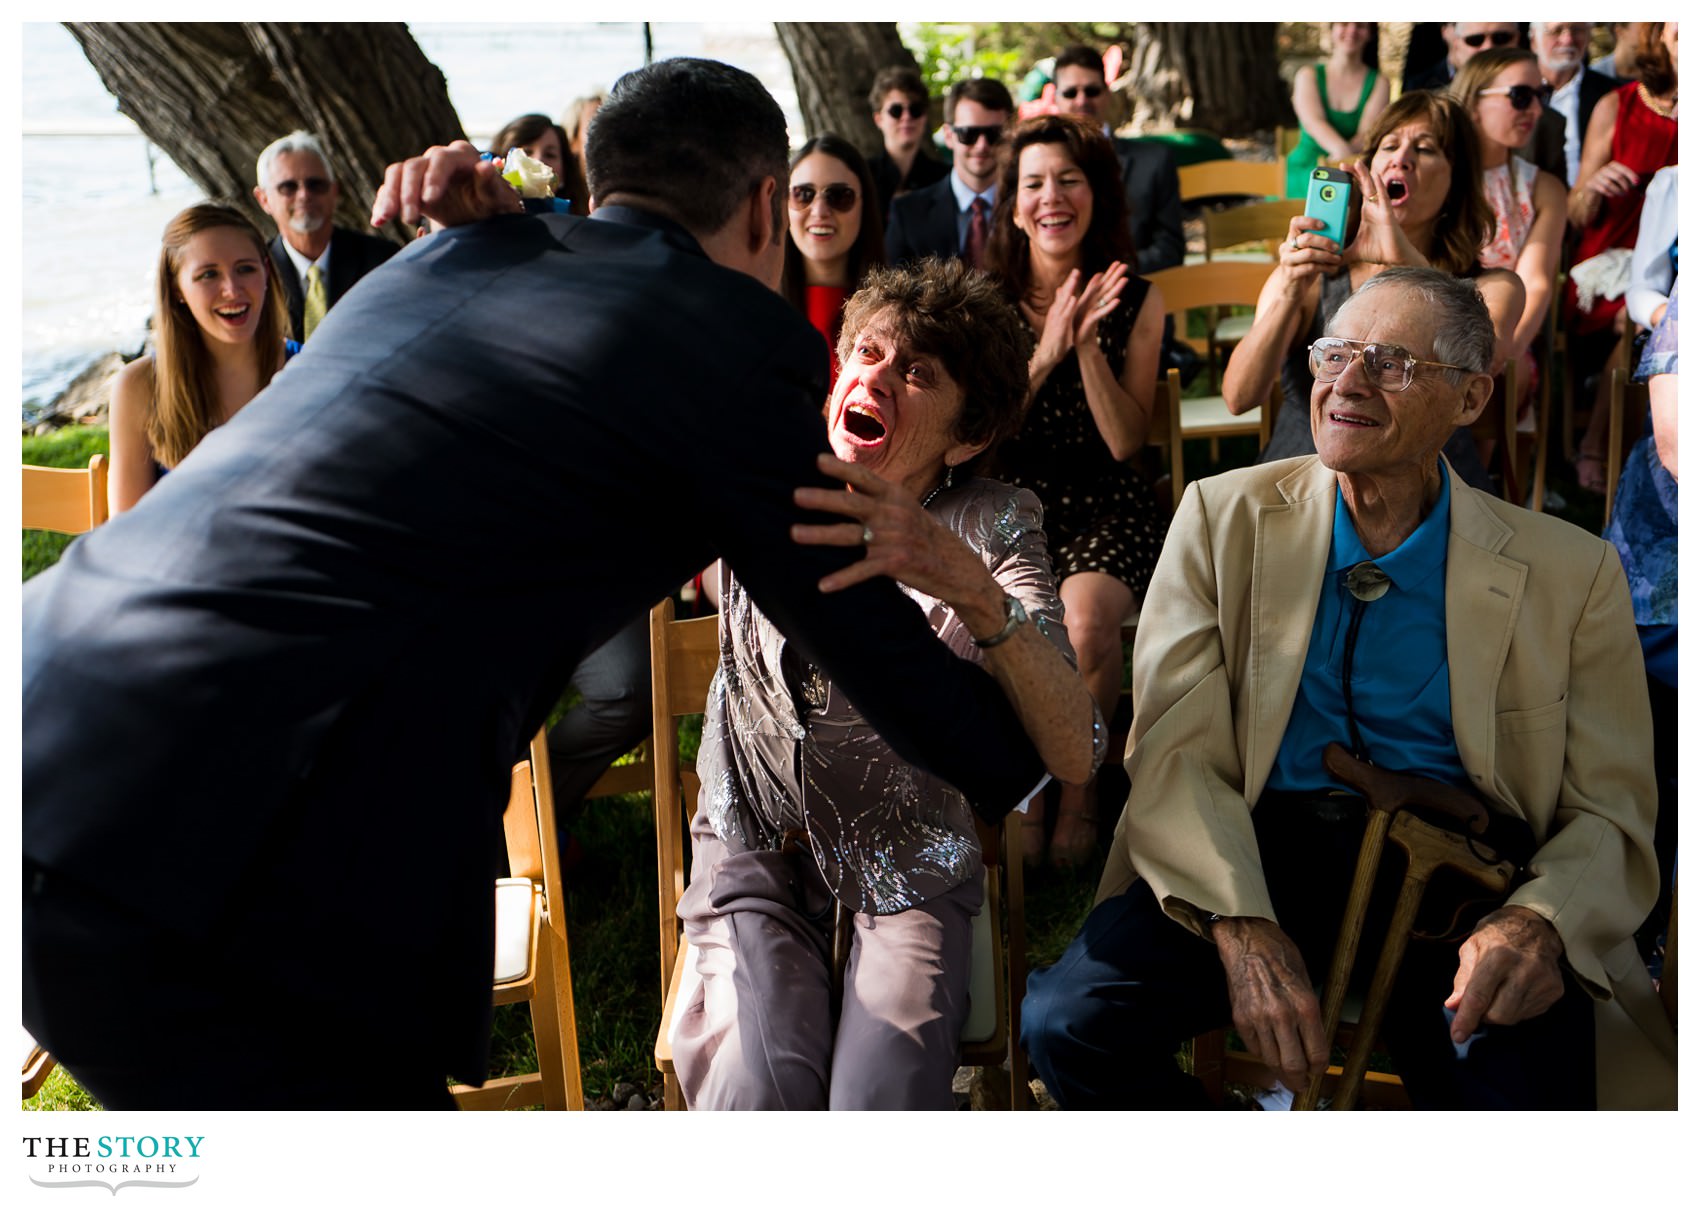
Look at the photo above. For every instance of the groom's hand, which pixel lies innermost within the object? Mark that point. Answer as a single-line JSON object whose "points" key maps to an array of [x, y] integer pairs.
{"points": [[448, 185]]}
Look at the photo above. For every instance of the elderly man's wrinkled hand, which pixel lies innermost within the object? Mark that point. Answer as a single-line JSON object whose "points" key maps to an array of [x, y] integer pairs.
{"points": [[1507, 971], [1275, 1009], [448, 185]]}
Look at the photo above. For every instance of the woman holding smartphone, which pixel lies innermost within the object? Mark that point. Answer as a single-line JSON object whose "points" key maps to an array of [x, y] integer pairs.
{"points": [[1422, 204]]}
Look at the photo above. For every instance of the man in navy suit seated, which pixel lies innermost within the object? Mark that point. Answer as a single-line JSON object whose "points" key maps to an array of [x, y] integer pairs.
{"points": [[269, 714], [1152, 186], [953, 217]]}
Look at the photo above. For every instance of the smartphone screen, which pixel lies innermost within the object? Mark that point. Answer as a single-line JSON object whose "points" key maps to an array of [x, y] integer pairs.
{"points": [[1329, 199]]}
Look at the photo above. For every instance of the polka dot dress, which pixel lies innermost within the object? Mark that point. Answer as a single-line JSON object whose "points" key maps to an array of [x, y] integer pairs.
{"points": [[1100, 515]]}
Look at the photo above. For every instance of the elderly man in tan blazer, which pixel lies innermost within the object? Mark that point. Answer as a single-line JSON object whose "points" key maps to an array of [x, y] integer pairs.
{"points": [[1517, 677]]}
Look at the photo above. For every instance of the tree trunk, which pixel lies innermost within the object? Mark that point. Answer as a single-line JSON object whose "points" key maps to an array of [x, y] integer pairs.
{"points": [[212, 95], [834, 65], [1217, 75]]}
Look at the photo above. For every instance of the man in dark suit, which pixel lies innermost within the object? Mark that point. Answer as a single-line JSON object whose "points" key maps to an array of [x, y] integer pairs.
{"points": [[1149, 179], [1562, 47], [953, 216], [269, 714], [316, 261]]}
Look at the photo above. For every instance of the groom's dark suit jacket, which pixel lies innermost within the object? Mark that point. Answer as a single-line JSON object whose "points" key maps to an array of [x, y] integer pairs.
{"points": [[354, 254], [923, 223], [279, 699]]}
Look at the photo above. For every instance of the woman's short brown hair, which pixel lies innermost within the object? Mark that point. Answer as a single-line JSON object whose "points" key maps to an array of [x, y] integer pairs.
{"points": [[1465, 220], [959, 316]]}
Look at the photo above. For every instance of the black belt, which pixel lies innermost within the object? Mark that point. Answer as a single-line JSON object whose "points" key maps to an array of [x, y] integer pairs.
{"points": [[1326, 805]]}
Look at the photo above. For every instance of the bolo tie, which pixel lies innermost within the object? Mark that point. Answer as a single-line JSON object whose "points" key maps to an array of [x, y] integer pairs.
{"points": [[1365, 582]]}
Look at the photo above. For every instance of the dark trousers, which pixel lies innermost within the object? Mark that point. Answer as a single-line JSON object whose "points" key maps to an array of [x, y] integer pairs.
{"points": [[1102, 1025], [146, 1018], [614, 716]]}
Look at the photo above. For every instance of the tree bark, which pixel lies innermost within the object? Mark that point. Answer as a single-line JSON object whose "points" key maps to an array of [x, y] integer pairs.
{"points": [[212, 95], [1221, 76], [834, 65]]}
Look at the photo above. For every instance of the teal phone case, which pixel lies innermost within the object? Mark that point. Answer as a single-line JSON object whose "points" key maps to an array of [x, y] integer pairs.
{"points": [[1329, 198]]}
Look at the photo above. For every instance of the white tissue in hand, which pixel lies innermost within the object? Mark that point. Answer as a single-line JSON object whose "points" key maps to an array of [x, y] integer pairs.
{"points": [[532, 178]]}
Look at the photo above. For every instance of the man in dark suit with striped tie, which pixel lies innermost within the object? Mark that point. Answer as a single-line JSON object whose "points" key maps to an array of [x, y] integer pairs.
{"points": [[316, 261], [953, 217]]}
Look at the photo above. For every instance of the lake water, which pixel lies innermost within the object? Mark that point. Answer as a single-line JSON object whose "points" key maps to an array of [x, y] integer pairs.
{"points": [[96, 196]]}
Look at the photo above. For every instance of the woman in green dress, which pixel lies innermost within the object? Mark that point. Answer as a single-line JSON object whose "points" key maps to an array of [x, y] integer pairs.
{"points": [[1321, 97]]}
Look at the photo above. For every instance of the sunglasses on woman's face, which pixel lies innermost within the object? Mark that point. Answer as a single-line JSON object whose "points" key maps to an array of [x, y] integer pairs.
{"points": [[838, 197], [1521, 96], [1499, 37], [894, 111], [1092, 91]]}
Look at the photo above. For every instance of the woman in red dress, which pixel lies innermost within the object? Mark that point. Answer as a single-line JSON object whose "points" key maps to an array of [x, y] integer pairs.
{"points": [[1630, 137], [836, 233]]}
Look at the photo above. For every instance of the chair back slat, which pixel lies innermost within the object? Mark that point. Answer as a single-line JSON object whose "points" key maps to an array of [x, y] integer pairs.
{"points": [[1231, 178], [69, 500]]}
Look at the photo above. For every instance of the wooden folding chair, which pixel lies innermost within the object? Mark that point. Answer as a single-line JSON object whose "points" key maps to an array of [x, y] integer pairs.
{"points": [[532, 963], [38, 1064], [1628, 398], [683, 656], [69, 500], [626, 778], [66, 499], [1232, 179], [1210, 286]]}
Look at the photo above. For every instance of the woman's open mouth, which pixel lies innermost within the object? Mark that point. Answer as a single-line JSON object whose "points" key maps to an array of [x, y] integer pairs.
{"points": [[864, 426], [1397, 191], [233, 315]]}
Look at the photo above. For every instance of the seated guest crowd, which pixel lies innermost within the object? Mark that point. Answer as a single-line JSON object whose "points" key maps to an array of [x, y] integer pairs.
{"points": [[992, 352]]}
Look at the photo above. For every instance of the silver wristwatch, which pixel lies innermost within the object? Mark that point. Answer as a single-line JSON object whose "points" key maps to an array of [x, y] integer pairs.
{"points": [[1014, 615]]}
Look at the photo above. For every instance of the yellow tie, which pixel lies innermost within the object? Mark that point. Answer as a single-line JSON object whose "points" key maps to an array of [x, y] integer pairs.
{"points": [[313, 309]]}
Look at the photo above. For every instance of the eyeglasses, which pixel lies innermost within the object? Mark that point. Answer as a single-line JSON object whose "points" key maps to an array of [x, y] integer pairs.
{"points": [[839, 197], [1520, 95], [1499, 37], [917, 109], [1092, 91], [1389, 367], [968, 136], [314, 185]]}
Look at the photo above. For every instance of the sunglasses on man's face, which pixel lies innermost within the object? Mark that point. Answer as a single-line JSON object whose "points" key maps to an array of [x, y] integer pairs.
{"points": [[1092, 91], [916, 109], [1499, 37], [838, 197], [1521, 96], [313, 185], [968, 136]]}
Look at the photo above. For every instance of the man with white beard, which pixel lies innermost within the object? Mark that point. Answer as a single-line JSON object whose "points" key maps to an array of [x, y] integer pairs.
{"points": [[316, 261], [1562, 47]]}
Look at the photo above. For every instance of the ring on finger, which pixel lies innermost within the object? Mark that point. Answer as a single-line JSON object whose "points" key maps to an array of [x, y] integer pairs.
{"points": [[867, 535]]}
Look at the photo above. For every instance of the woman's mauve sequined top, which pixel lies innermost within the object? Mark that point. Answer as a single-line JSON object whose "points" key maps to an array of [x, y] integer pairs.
{"points": [[783, 749]]}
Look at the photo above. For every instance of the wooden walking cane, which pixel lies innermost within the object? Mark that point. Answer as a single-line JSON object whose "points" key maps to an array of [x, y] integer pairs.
{"points": [[1385, 792], [1428, 848]]}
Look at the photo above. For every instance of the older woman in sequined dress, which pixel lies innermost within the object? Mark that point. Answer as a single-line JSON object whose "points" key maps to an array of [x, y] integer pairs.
{"points": [[805, 807]]}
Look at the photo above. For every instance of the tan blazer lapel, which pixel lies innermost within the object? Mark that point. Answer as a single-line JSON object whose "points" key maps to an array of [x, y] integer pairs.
{"points": [[1484, 591], [1288, 564]]}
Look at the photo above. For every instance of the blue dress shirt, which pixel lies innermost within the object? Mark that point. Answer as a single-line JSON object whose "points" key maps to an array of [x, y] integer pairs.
{"points": [[1401, 693]]}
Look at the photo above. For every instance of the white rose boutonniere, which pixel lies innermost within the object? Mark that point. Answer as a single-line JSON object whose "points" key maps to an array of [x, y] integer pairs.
{"points": [[532, 178]]}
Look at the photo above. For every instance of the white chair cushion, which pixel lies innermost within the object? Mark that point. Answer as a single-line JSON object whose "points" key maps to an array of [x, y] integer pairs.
{"points": [[1234, 328], [515, 903], [1207, 416]]}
